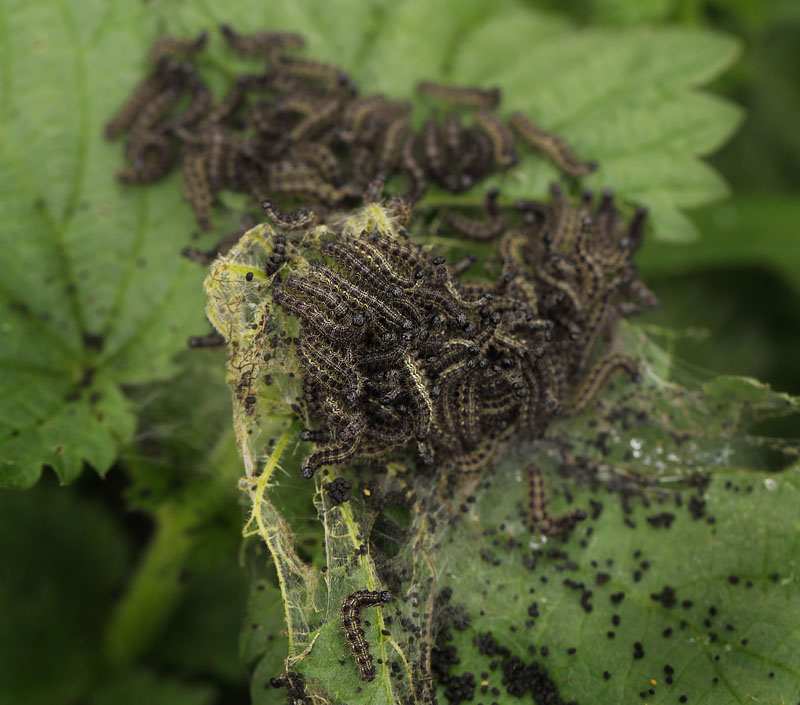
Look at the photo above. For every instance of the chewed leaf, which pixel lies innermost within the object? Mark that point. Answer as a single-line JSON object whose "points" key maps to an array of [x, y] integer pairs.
{"points": [[481, 593], [478, 571], [654, 598]]}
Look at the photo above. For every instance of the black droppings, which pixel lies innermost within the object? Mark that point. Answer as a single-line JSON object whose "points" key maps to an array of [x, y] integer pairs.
{"points": [[666, 597]]}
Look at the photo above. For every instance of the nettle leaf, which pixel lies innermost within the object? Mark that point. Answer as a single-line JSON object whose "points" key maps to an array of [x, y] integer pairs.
{"points": [[96, 296], [626, 97], [94, 293], [714, 622], [673, 483]]}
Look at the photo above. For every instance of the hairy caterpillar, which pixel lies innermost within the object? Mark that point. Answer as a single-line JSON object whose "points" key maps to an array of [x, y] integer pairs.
{"points": [[552, 145], [354, 633], [468, 96]]}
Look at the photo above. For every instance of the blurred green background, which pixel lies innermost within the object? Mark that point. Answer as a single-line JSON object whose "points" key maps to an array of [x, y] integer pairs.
{"points": [[731, 298]]}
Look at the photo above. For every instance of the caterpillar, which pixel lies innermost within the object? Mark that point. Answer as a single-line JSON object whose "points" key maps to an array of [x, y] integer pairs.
{"points": [[160, 105], [353, 631], [467, 96], [434, 156], [331, 368], [321, 157], [354, 294], [148, 89], [334, 454], [312, 316], [487, 229], [478, 458], [219, 146], [313, 70], [375, 123], [301, 217], [392, 143], [179, 47], [211, 340], [414, 173], [317, 294], [453, 135], [260, 42], [502, 138], [199, 106], [598, 376], [538, 515], [196, 189], [317, 114], [477, 154], [318, 435], [278, 255], [421, 396], [551, 145], [308, 184], [374, 256], [152, 157], [356, 113]]}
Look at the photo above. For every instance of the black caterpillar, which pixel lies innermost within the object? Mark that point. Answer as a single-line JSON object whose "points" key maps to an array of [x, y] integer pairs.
{"points": [[353, 631], [402, 356], [299, 129], [538, 515]]}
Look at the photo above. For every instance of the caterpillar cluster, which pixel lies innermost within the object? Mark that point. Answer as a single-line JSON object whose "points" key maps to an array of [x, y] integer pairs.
{"points": [[300, 129], [354, 632], [401, 355]]}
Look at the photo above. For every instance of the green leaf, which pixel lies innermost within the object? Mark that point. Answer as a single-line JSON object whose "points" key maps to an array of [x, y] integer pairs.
{"points": [[643, 453], [64, 557], [731, 634], [670, 538], [752, 230], [94, 294], [624, 97]]}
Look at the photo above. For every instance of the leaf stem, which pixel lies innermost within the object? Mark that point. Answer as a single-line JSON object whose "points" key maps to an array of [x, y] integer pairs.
{"points": [[155, 589]]}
